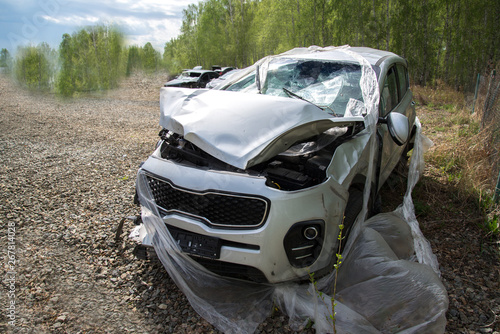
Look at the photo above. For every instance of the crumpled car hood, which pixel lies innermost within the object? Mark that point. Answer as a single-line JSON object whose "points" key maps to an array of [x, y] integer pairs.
{"points": [[242, 129]]}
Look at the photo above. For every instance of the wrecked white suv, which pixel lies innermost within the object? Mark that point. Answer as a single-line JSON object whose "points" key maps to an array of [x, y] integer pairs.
{"points": [[253, 180]]}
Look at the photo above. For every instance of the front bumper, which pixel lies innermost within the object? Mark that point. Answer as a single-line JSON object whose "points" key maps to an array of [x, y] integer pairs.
{"points": [[259, 248]]}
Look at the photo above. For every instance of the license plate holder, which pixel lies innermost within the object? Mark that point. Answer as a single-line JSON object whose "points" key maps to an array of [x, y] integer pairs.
{"points": [[196, 244]]}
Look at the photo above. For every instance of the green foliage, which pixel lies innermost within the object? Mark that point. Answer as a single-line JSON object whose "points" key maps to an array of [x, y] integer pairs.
{"points": [[6, 62], [491, 210], [34, 67], [5, 58], [469, 129], [151, 58], [422, 209], [134, 59], [441, 39], [332, 316], [493, 224], [90, 60], [143, 59], [215, 32]]}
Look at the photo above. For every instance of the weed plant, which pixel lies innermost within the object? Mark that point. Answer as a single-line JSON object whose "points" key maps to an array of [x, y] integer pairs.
{"points": [[336, 267]]}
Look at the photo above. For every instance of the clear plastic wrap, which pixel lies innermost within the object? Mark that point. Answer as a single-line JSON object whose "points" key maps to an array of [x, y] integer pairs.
{"points": [[324, 139], [388, 282]]}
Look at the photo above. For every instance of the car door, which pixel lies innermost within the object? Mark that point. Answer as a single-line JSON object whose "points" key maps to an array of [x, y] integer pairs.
{"points": [[203, 80], [211, 76], [394, 97]]}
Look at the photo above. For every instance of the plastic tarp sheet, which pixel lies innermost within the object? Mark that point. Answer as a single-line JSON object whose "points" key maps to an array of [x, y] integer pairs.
{"points": [[389, 280]]}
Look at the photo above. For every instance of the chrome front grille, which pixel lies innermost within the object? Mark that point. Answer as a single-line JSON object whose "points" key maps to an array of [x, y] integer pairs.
{"points": [[219, 210]]}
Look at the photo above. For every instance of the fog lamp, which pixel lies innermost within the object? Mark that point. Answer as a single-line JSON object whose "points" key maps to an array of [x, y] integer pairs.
{"points": [[303, 242], [311, 232]]}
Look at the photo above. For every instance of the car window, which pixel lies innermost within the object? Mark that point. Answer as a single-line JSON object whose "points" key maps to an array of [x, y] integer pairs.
{"points": [[189, 75], [329, 85], [389, 97], [244, 83], [403, 80]]}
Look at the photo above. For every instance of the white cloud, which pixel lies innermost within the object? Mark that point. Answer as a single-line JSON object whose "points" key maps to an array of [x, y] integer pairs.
{"points": [[155, 21], [158, 32], [77, 20]]}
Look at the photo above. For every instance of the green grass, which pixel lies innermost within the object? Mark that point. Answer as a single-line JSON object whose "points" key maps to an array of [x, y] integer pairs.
{"points": [[422, 209], [440, 128]]}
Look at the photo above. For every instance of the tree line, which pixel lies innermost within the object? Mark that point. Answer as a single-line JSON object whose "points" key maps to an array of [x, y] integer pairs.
{"points": [[91, 59], [443, 40], [448, 40]]}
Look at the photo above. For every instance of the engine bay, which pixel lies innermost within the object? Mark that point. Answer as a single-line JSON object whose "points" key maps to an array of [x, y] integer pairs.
{"points": [[303, 165]]}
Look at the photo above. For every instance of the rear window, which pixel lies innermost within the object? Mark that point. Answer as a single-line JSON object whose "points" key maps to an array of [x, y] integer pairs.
{"points": [[190, 75]]}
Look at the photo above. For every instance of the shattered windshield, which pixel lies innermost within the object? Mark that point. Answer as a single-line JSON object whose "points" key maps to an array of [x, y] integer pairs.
{"points": [[329, 85]]}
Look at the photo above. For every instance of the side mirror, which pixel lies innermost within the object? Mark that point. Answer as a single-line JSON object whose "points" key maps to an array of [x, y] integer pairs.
{"points": [[399, 127]]}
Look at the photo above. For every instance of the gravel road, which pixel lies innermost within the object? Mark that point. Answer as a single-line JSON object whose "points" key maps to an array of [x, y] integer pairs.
{"points": [[67, 179]]}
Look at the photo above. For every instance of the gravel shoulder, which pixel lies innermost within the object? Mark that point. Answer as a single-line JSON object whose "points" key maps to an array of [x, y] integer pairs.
{"points": [[67, 179]]}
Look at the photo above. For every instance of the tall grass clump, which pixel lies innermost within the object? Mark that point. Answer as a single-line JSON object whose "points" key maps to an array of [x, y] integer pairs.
{"points": [[463, 152]]}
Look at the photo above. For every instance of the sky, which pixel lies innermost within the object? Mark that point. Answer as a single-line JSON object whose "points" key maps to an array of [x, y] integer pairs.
{"points": [[30, 22]]}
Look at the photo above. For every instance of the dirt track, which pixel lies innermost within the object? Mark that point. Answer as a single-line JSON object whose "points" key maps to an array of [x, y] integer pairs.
{"points": [[67, 178]]}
